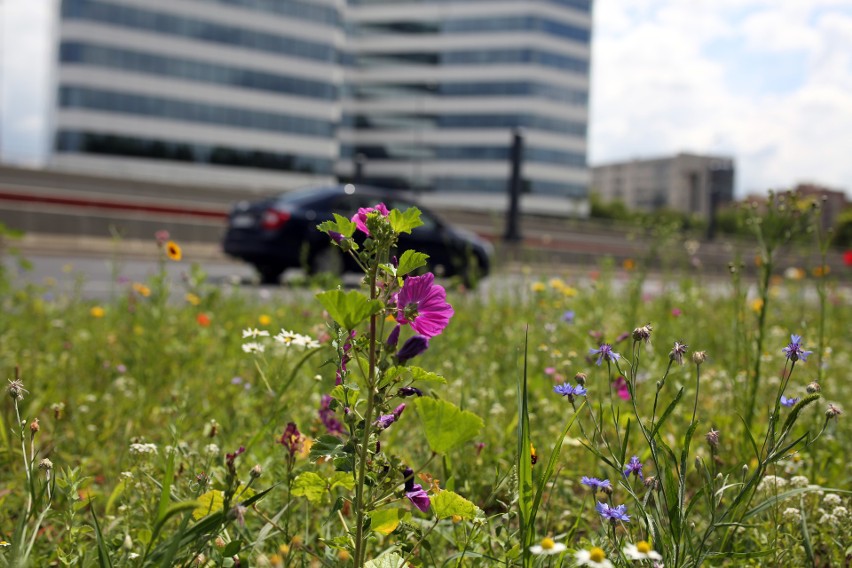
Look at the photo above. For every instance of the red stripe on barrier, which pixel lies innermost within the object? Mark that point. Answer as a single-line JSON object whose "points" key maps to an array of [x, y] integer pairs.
{"points": [[111, 205]]}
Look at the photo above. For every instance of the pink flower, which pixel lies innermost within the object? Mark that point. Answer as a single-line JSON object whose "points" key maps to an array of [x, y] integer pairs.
{"points": [[423, 304], [620, 385], [676, 312], [360, 218]]}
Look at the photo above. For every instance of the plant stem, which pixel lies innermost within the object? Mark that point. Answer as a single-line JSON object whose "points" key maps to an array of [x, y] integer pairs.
{"points": [[360, 543]]}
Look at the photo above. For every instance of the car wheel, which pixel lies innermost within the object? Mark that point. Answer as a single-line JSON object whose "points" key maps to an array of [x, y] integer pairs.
{"points": [[327, 260], [270, 274]]}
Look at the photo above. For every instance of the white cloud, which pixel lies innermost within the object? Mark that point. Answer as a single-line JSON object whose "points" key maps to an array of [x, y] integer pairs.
{"points": [[25, 55], [767, 82]]}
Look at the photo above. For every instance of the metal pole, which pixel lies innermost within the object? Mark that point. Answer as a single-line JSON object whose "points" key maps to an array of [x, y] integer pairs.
{"points": [[513, 233], [360, 160]]}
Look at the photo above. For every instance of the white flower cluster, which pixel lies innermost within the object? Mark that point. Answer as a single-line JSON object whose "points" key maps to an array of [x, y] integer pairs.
{"points": [[211, 450], [291, 338], [792, 514], [832, 500], [142, 449], [771, 483], [285, 339], [799, 481]]}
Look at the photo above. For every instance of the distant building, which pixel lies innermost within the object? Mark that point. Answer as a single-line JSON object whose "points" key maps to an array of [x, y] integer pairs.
{"points": [[833, 202], [220, 92], [686, 182], [282, 93], [436, 87]]}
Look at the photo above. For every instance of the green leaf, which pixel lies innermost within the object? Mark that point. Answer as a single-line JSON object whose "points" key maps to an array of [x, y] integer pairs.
{"points": [[423, 375], [405, 221], [447, 504], [667, 412], [524, 464], [232, 548], [348, 308], [409, 261], [208, 503], [310, 486], [165, 493], [341, 224], [390, 560], [385, 521], [342, 479], [445, 424], [326, 446]]}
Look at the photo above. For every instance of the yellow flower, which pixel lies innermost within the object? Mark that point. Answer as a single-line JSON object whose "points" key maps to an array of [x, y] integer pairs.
{"points": [[173, 250], [569, 291], [97, 312], [4, 544], [756, 305], [538, 287], [192, 299], [556, 283], [141, 289], [138, 330], [264, 319], [343, 555], [820, 271]]}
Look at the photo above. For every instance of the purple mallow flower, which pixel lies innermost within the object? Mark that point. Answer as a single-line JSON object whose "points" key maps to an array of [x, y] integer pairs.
{"points": [[794, 350], [595, 483], [605, 353], [384, 422], [612, 513], [413, 347], [634, 466], [409, 391], [788, 401], [567, 389], [393, 338], [423, 304], [327, 417], [414, 491]]}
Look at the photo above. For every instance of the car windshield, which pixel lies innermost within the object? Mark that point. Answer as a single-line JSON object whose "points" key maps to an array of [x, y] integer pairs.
{"points": [[301, 196]]}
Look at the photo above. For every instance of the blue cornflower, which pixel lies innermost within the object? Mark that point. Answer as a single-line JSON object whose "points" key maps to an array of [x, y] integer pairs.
{"points": [[605, 353], [794, 350], [595, 483], [567, 389], [612, 513], [568, 316], [634, 466], [789, 401]]}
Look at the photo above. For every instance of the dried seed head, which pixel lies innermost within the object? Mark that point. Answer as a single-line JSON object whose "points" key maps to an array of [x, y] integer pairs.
{"points": [[712, 438], [580, 378], [699, 357], [651, 482], [643, 333], [45, 464], [34, 427], [17, 390], [832, 411], [813, 387]]}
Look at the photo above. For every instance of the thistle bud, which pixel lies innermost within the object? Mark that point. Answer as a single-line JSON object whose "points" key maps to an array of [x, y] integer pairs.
{"points": [[832, 412], [699, 357], [34, 427], [256, 471], [813, 387], [580, 378], [712, 438]]}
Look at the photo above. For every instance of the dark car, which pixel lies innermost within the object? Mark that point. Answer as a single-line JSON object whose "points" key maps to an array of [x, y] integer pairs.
{"points": [[280, 232]]}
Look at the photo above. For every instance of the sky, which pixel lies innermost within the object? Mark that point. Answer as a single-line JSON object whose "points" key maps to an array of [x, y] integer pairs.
{"points": [[766, 82]]}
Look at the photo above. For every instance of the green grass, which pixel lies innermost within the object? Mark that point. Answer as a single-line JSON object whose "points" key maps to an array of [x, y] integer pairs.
{"points": [[150, 371]]}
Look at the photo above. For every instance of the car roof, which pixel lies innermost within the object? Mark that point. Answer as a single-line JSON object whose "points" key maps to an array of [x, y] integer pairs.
{"points": [[313, 193]]}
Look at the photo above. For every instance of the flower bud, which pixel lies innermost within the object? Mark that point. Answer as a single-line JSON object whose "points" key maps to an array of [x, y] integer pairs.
{"points": [[698, 357], [832, 412], [45, 464], [580, 378], [256, 471], [642, 333], [813, 387], [128, 542], [34, 427], [413, 347], [712, 438]]}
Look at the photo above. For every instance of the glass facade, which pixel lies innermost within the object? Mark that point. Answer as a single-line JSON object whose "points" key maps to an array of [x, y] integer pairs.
{"points": [[452, 87]]}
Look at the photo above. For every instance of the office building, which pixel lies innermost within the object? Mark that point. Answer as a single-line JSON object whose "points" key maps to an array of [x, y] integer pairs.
{"points": [[424, 94], [222, 92], [687, 183]]}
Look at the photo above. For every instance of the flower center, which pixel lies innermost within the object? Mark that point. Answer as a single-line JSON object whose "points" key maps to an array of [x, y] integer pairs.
{"points": [[597, 554], [410, 311], [643, 547], [547, 543]]}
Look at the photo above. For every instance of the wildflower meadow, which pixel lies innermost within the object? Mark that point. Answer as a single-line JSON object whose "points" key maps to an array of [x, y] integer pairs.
{"points": [[566, 418]]}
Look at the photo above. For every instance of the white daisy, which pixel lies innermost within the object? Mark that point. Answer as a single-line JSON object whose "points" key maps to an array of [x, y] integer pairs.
{"points": [[254, 333], [547, 547], [253, 347], [286, 337], [641, 551], [594, 557]]}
